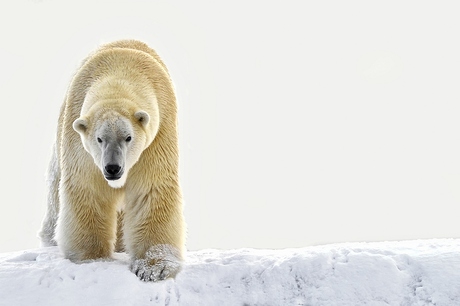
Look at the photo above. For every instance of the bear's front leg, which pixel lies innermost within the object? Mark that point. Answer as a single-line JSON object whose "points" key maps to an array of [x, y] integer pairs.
{"points": [[154, 233], [87, 224]]}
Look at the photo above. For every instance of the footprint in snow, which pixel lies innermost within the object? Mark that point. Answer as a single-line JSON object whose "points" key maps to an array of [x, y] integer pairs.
{"points": [[24, 257]]}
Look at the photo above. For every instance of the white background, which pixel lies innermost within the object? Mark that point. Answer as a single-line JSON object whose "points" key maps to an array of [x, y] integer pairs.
{"points": [[301, 123]]}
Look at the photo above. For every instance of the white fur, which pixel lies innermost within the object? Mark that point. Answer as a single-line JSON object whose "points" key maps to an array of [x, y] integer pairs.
{"points": [[116, 128], [123, 89], [120, 182]]}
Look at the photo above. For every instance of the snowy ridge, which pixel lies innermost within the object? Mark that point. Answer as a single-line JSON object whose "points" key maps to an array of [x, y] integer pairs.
{"points": [[422, 272]]}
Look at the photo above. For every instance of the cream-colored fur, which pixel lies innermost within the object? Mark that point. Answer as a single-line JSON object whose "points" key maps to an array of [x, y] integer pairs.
{"points": [[122, 88]]}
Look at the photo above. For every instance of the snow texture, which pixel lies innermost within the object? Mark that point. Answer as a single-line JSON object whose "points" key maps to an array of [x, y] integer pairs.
{"points": [[421, 272]]}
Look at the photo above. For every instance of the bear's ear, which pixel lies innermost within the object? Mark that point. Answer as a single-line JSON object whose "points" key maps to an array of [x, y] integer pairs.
{"points": [[142, 117], [80, 125]]}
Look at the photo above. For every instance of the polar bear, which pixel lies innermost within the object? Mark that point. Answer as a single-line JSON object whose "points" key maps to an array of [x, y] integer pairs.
{"points": [[116, 158]]}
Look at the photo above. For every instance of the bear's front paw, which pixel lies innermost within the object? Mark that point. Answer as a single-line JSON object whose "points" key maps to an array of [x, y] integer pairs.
{"points": [[160, 262]]}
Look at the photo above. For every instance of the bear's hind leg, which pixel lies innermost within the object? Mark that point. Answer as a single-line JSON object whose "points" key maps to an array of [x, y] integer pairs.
{"points": [[53, 177], [119, 244]]}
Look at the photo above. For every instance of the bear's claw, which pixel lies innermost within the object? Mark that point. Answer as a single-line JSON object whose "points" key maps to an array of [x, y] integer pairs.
{"points": [[156, 272], [160, 262]]}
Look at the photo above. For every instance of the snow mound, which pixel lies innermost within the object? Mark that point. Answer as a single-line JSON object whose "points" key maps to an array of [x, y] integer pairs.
{"points": [[421, 272]]}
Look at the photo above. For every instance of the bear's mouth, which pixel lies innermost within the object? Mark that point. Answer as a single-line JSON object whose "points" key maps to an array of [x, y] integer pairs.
{"points": [[116, 180], [113, 177]]}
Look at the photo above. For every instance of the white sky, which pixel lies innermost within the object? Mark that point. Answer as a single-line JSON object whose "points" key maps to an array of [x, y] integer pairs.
{"points": [[301, 123]]}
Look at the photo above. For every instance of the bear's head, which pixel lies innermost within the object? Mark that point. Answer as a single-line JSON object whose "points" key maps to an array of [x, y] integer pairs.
{"points": [[115, 140]]}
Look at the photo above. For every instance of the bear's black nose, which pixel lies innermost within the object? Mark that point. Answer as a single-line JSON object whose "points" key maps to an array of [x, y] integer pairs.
{"points": [[112, 169]]}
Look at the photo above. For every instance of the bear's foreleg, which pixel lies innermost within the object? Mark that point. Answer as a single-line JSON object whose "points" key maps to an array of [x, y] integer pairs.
{"points": [[154, 233], [87, 224]]}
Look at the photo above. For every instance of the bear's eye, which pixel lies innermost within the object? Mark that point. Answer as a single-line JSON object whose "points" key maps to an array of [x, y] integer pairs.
{"points": [[128, 139], [99, 140]]}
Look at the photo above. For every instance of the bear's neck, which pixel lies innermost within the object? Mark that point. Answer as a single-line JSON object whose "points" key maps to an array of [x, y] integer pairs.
{"points": [[115, 91]]}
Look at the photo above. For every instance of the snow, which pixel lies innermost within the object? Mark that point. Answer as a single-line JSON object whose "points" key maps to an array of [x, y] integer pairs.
{"points": [[419, 272]]}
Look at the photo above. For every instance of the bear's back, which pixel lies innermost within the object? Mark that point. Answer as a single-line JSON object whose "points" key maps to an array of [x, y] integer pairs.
{"points": [[136, 45]]}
